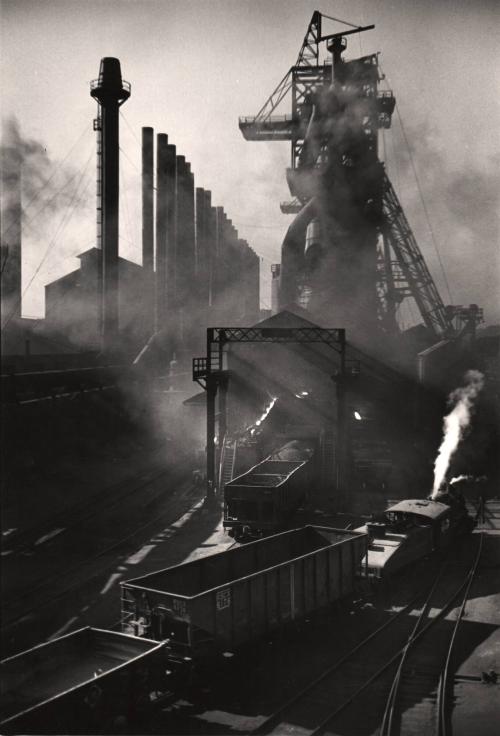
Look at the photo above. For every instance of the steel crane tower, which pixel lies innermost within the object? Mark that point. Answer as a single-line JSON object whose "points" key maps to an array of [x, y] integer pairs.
{"points": [[349, 256]]}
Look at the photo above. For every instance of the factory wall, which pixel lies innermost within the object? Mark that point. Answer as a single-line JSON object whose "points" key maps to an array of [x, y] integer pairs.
{"points": [[72, 302]]}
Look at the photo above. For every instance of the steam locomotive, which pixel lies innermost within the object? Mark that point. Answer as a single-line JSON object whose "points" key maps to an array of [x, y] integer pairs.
{"points": [[412, 529]]}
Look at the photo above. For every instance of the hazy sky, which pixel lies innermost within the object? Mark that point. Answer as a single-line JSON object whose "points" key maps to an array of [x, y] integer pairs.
{"points": [[196, 65]]}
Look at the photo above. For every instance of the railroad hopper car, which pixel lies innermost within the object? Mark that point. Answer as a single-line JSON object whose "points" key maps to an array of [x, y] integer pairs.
{"points": [[229, 599], [263, 499], [410, 530], [83, 682]]}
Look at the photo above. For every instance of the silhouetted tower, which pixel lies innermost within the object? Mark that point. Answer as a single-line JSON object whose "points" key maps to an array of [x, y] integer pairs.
{"points": [[110, 91]]}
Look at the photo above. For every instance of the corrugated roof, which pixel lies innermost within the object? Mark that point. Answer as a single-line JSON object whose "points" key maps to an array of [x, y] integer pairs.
{"points": [[420, 507]]}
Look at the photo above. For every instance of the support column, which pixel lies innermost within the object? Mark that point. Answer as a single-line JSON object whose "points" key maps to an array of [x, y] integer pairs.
{"points": [[211, 391], [342, 439]]}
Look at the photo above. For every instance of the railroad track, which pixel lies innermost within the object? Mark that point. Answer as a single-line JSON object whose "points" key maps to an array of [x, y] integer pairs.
{"points": [[88, 508], [333, 702], [414, 704], [17, 608]]}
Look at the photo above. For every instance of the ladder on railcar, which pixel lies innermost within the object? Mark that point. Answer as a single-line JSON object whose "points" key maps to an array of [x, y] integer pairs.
{"points": [[227, 463]]}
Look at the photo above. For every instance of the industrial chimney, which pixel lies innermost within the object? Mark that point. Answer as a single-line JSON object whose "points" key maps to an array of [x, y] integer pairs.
{"points": [[11, 233], [110, 91]]}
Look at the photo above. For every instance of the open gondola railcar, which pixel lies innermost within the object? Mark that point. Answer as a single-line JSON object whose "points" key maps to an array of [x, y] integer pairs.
{"points": [[224, 601], [83, 682], [263, 499], [410, 530]]}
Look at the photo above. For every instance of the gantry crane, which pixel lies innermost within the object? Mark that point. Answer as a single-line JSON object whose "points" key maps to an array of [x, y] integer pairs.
{"points": [[401, 271]]}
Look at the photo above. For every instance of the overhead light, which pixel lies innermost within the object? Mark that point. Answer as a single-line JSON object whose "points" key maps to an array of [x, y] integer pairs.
{"points": [[357, 416]]}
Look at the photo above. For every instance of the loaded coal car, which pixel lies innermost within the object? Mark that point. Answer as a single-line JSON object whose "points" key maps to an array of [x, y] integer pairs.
{"points": [[230, 599], [88, 681], [263, 499], [410, 530]]}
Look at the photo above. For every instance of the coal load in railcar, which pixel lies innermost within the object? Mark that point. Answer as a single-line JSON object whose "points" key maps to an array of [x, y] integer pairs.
{"points": [[263, 499], [231, 599], [89, 681], [412, 529]]}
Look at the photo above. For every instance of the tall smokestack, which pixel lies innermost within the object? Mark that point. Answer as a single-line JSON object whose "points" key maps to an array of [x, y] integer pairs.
{"points": [[275, 287], [11, 233], [148, 226], [110, 91], [161, 229], [147, 199], [185, 261], [172, 235]]}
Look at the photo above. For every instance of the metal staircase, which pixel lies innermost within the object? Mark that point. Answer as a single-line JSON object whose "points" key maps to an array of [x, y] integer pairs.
{"points": [[227, 461]]}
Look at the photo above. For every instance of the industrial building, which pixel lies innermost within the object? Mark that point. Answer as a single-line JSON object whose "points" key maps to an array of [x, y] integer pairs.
{"points": [[202, 496]]}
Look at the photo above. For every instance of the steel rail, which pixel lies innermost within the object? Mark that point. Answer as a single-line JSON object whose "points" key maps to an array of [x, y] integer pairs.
{"points": [[387, 719], [188, 495], [43, 582], [442, 724], [87, 508], [262, 727], [465, 584]]}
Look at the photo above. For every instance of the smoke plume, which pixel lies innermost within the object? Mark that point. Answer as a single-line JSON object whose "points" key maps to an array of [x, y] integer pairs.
{"points": [[51, 200], [455, 424]]}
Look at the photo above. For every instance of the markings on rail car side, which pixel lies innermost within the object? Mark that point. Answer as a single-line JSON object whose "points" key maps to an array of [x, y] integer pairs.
{"points": [[50, 535], [223, 599], [179, 606]]}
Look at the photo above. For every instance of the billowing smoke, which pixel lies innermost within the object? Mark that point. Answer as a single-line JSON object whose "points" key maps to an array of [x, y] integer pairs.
{"points": [[455, 424], [43, 196]]}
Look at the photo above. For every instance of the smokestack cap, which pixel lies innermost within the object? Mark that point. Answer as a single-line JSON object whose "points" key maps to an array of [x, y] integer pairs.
{"points": [[110, 84]]}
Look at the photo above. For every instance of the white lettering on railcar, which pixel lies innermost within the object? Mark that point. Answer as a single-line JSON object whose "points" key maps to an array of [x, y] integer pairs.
{"points": [[223, 599], [179, 607]]}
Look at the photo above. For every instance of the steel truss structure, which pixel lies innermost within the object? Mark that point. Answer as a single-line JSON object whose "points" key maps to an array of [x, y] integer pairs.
{"points": [[401, 269], [210, 374]]}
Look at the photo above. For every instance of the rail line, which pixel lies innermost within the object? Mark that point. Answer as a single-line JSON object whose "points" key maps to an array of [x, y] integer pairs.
{"points": [[104, 499], [189, 495], [329, 696], [394, 722], [97, 511]]}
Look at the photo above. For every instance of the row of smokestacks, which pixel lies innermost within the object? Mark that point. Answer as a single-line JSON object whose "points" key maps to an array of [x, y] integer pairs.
{"points": [[202, 273]]}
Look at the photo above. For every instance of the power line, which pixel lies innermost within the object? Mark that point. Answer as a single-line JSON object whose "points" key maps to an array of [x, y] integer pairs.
{"points": [[61, 227], [130, 127], [129, 159], [45, 183], [337, 20], [424, 206], [426, 213]]}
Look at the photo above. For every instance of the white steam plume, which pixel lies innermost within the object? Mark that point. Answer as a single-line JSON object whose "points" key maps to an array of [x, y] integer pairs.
{"points": [[455, 423]]}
